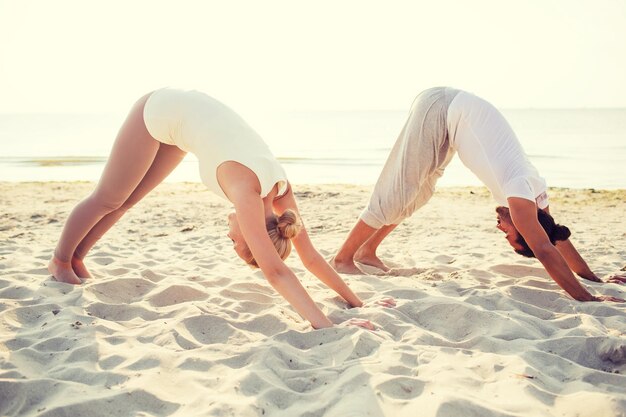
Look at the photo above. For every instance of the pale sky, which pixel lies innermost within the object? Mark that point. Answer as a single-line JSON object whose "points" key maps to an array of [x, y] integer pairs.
{"points": [[88, 56]]}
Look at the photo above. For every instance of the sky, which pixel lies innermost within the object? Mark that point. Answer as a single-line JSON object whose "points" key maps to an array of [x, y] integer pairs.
{"points": [[88, 56]]}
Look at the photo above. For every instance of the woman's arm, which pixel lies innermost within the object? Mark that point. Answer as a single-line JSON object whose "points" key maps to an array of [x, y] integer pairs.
{"points": [[524, 216], [318, 266], [251, 218], [311, 258]]}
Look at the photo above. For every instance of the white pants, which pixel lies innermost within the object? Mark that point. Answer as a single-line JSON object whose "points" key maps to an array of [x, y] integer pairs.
{"points": [[415, 163]]}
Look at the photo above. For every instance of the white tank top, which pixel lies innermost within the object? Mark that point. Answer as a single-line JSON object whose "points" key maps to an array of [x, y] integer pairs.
{"points": [[199, 124]]}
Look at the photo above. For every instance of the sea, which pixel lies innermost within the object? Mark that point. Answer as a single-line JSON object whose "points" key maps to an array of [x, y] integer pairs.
{"points": [[574, 148]]}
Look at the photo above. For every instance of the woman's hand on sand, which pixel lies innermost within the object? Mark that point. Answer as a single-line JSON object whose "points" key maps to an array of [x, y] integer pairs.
{"points": [[609, 298], [366, 324], [387, 301]]}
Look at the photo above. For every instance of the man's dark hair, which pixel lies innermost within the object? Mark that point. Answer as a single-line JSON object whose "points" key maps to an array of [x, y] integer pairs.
{"points": [[554, 231]]}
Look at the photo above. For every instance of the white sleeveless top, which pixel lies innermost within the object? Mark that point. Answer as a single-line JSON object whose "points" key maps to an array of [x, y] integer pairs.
{"points": [[200, 124]]}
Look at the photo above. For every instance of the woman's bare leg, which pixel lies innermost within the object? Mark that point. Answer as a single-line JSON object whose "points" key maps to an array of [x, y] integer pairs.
{"points": [[344, 259], [366, 254], [167, 158], [132, 154]]}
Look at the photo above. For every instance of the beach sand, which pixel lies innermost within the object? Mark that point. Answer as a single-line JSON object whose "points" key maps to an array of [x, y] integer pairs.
{"points": [[173, 324]]}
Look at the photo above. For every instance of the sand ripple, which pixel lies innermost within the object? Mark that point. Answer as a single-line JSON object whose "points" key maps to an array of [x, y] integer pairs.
{"points": [[172, 325]]}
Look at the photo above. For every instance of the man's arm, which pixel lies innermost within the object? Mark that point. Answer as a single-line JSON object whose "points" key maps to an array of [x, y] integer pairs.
{"points": [[580, 267], [524, 216], [575, 261], [577, 264]]}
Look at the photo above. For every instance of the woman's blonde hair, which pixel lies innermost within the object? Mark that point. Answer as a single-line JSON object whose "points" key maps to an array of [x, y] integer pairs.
{"points": [[280, 230]]}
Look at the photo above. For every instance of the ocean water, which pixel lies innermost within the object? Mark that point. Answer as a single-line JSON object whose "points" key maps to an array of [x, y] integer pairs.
{"points": [[571, 148]]}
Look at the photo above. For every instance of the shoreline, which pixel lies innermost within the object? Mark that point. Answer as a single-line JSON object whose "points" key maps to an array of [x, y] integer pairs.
{"points": [[329, 184]]}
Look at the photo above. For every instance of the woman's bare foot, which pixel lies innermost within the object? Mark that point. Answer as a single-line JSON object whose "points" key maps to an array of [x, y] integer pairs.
{"points": [[370, 259], [62, 271], [79, 268], [345, 267]]}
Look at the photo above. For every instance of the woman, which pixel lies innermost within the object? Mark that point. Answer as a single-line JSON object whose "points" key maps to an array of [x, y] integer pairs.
{"points": [[443, 121], [234, 163]]}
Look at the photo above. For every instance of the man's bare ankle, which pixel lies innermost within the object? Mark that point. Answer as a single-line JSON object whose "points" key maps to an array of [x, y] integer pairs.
{"points": [[59, 263]]}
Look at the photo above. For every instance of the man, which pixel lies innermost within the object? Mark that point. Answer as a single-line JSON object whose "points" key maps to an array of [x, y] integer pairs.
{"points": [[443, 121]]}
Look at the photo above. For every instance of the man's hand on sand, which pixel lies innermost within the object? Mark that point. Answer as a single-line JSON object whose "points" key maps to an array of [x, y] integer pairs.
{"points": [[617, 279], [609, 298]]}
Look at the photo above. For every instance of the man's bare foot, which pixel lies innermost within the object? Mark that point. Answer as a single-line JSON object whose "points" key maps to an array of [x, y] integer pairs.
{"points": [[345, 267], [62, 271], [79, 268], [371, 260]]}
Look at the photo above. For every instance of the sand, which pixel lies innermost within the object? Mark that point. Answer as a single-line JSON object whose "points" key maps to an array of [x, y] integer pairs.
{"points": [[173, 324]]}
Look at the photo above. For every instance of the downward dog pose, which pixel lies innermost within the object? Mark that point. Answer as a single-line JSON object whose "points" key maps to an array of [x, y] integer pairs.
{"points": [[234, 162], [443, 121]]}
